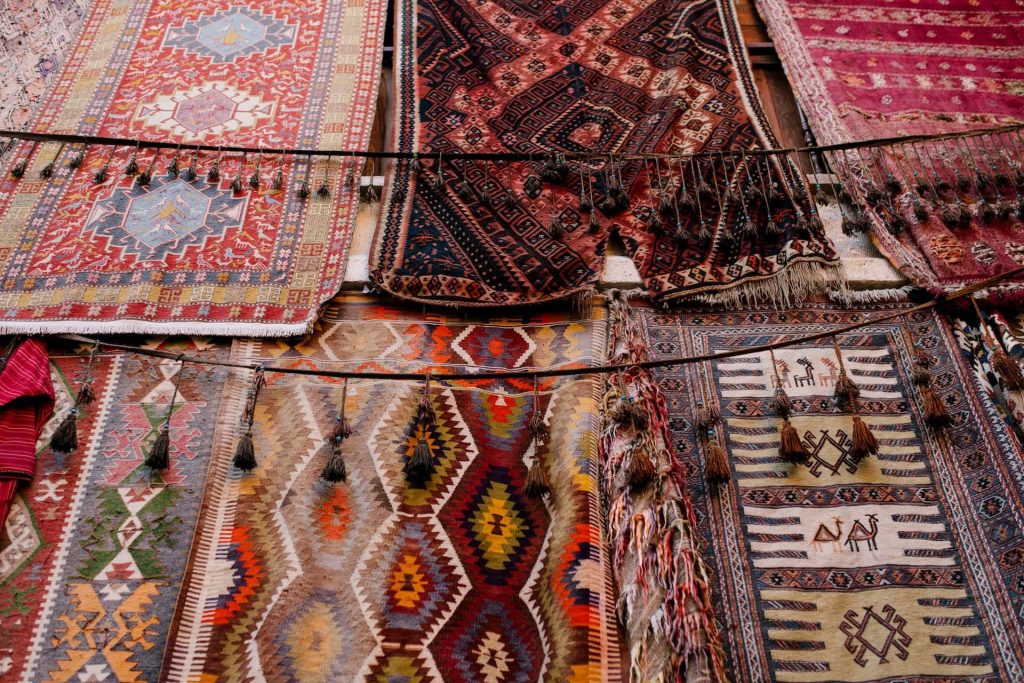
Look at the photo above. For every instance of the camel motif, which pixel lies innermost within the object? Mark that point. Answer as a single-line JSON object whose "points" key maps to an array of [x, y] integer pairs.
{"points": [[825, 535], [808, 378], [828, 379], [859, 533]]}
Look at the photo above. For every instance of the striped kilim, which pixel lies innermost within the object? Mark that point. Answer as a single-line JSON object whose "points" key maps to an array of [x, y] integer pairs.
{"points": [[905, 565], [462, 579], [94, 549], [179, 241]]}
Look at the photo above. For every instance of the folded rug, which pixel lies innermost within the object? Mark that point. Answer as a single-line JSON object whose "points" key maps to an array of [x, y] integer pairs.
{"points": [[945, 213], [178, 242], [599, 78], [898, 561], [26, 403], [460, 576]]}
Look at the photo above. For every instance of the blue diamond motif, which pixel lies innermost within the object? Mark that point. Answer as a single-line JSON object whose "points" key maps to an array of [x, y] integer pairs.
{"points": [[227, 35], [166, 214]]}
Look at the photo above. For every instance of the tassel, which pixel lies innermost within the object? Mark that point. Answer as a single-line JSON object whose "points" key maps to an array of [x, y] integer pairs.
{"points": [[463, 191], [949, 217], [277, 184], [213, 175], [65, 438], [85, 394], [537, 483], [716, 462], [173, 168], [962, 183], [420, 466], [47, 171], [847, 390], [532, 188], [988, 213], [100, 175], [920, 212], [324, 191], [592, 223], [1008, 369], [236, 182], [77, 159], [964, 217], [245, 453], [707, 416], [920, 376], [132, 167], [146, 177], [254, 179], [893, 186], [781, 403], [556, 229], [935, 413], [791, 448], [641, 470], [159, 457], [303, 191], [189, 174], [873, 196], [864, 442], [334, 469]]}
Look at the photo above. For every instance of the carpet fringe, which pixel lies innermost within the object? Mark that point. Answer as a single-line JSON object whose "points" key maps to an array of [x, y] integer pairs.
{"points": [[664, 604], [789, 287]]}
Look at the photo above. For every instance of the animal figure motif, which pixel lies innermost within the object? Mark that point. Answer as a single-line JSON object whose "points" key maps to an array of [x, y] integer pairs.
{"points": [[825, 535], [808, 378], [859, 533], [827, 379]]}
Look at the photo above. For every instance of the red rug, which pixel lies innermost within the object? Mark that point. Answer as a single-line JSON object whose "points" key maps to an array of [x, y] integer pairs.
{"points": [[863, 69], [586, 77], [183, 254]]}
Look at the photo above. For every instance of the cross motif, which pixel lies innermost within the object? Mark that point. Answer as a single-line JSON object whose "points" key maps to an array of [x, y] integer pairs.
{"points": [[875, 633]]}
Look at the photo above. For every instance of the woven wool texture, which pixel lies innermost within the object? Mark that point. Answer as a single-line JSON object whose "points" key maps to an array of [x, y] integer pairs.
{"points": [[584, 76], [465, 579], [94, 549], [904, 565], [192, 255], [863, 70]]}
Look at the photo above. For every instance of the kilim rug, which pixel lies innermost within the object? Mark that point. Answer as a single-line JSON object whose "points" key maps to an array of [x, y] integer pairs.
{"points": [[37, 35], [465, 579], [864, 69], [586, 76], [94, 550], [181, 255], [906, 566]]}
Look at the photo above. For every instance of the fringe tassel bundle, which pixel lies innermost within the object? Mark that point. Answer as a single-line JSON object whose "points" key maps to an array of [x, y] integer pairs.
{"points": [[538, 484], [935, 413], [334, 469], [65, 437], [863, 441], [665, 592], [420, 465], [1005, 365], [159, 457], [245, 452], [791, 446]]}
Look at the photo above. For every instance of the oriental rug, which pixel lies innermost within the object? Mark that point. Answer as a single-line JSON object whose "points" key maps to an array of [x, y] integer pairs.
{"points": [[209, 254], [864, 69], [905, 565], [35, 37], [464, 579], [93, 552], [586, 77]]}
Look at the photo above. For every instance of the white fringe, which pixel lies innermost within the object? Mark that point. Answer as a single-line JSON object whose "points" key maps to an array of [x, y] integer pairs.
{"points": [[874, 296], [785, 289]]}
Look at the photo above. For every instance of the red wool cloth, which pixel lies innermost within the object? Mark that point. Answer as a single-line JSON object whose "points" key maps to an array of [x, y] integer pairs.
{"points": [[865, 69], [26, 403]]}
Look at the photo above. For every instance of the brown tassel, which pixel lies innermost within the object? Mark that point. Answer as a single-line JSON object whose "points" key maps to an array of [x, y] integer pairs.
{"points": [[707, 416], [920, 375], [159, 457], [1008, 369], [537, 483], [245, 453], [334, 469], [85, 394], [716, 463], [641, 470], [791, 448], [935, 412], [847, 390], [65, 438], [420, 466], [781, 403], [864, 442]]}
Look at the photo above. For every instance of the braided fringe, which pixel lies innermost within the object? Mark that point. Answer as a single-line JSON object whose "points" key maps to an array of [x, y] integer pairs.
{"points": [[664, 603]]}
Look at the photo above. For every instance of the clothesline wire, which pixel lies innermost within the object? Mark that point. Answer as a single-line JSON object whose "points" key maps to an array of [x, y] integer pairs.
{"points": [[555, 372], [99, 140]]}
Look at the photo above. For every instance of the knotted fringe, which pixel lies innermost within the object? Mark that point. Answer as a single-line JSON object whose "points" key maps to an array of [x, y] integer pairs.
{"points": [[159, 457], [65, 437], [334, 469], [420, 465], [245, 452], [664, 602], [537, 484]]}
